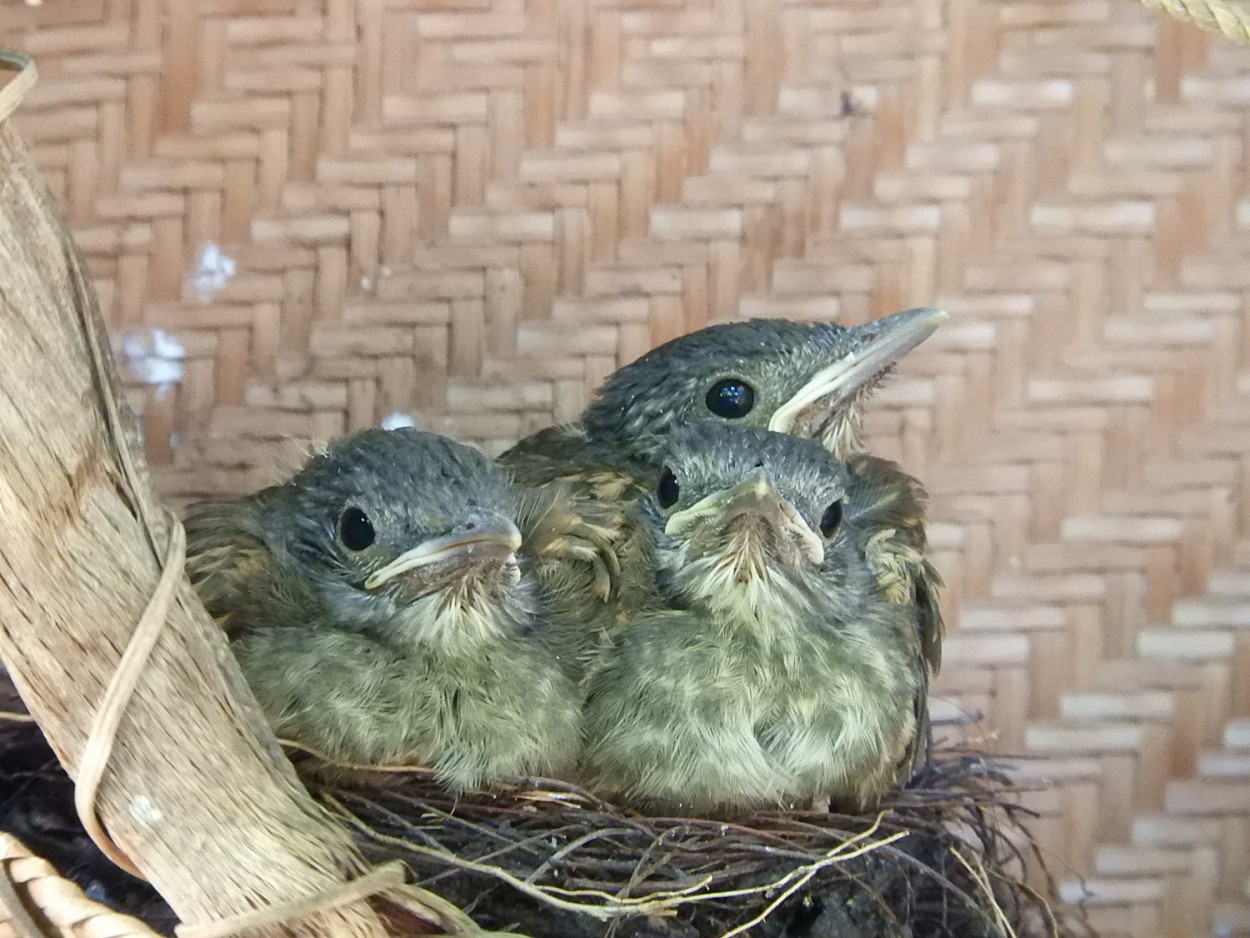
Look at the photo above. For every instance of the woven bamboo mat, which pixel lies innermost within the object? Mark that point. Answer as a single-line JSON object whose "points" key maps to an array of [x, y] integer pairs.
{"points": [[307, 216]]}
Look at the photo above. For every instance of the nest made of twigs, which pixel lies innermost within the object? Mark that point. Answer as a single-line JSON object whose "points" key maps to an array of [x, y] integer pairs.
{"points": [[944, 856]]}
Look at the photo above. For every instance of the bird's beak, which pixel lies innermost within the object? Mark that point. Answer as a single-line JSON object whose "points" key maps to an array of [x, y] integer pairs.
{"points": [[874, 347], [485, 536], [754, 496]]}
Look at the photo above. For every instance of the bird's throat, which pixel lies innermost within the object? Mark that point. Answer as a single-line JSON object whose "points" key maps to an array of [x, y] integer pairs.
{"points": [[740, 578], [838, 429], [476, 608]]}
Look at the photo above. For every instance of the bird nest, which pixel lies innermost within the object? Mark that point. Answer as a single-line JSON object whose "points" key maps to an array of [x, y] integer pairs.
{"points": [[944, 856]]}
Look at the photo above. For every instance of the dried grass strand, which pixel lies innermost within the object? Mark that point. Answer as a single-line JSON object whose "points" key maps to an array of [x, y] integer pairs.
{"points": [[982, 880], [379, 880], [103, 732], [532, 891]]}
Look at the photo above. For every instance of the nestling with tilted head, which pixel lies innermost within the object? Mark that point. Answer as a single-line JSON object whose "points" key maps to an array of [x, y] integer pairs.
{"points": [[806, 379], [384, 608], [767, 668]]}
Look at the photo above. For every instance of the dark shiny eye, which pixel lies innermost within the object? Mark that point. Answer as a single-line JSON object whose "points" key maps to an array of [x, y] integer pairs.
{"points": [[731, 398], [355, 530], [667, 491], [831, 519]]}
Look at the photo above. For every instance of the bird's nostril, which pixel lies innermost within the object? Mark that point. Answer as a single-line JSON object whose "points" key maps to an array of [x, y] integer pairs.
{"points": [[471, 525]]}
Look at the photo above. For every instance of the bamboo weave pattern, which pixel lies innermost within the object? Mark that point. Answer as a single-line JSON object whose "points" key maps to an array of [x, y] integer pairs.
{"points": [[308, 216], [62, 904]]}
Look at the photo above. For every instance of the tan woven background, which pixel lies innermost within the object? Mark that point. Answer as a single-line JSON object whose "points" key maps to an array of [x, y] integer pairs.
{"points": [[308, 215]]}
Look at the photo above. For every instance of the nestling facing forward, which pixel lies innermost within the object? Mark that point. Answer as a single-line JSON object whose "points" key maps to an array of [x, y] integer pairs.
{"points": [[768, 668], [384, 608]]}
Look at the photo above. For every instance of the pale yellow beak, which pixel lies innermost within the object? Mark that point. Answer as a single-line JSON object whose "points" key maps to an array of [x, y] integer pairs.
{"points": [[493, 539], [755, 495], [876, 346]]}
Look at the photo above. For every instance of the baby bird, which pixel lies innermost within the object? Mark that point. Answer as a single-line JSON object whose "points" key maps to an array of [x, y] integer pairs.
{"points": [[385, 608], [809, 380], [766, 667]]}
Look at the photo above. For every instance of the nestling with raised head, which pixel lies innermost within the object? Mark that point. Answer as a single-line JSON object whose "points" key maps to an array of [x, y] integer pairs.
{"points": [[809, 380]]}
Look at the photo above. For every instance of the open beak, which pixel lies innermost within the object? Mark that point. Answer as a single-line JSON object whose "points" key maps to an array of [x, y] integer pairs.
{"points": [[485, 537], [754, 496], [874, 347]]}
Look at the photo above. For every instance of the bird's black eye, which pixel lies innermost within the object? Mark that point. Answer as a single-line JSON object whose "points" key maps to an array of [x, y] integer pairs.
{"points": [[667, 491], [731, 398], [831, 519], [355, 529]]}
